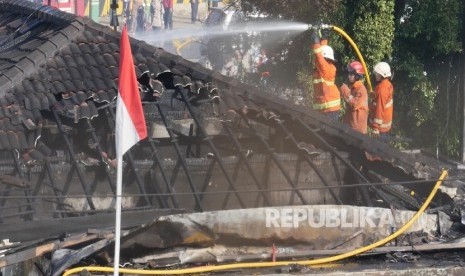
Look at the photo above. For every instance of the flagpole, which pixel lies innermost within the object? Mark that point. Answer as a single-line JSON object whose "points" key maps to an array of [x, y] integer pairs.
{"points": [[130, 126], [119, 192]]}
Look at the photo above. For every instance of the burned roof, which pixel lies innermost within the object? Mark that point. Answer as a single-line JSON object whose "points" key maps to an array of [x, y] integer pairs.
{"points": [[215, 143]]}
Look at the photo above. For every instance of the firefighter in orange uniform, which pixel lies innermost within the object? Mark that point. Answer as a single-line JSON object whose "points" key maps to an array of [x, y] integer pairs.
{"points": [[356, 97], [326, 96], [382, 104]]}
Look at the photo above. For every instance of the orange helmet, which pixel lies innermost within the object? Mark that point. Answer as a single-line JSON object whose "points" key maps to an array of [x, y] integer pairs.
{"points": [[356, 67]]}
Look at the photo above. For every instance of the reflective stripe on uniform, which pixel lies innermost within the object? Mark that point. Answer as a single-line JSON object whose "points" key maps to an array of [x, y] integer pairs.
{"points": [[380, 123], [385, 125], [327, 104], [389, 104], [317, 50], [321, 80]]}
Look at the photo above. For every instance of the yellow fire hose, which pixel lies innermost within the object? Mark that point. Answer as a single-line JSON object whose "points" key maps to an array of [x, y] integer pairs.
{"points": [[320, 261], [352, 43]]}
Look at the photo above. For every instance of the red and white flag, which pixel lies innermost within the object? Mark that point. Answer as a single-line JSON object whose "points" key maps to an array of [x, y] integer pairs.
{"points": [[130, 121]]}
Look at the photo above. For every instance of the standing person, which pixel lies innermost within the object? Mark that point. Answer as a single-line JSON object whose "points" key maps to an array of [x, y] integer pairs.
{"points": [[156, 15], [194, 10], [168, 14], [356, 97], [326, 96], [140, 19], [382, 104], [125, 5]]}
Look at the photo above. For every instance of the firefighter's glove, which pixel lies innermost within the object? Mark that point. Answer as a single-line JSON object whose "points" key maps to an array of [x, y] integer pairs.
{"points": [[324, 34], [315, 36]]}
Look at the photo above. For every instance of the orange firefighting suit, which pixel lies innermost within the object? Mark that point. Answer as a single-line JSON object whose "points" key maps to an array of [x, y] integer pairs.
{"points": [[382, 107], [357, 106], [326, 97]]}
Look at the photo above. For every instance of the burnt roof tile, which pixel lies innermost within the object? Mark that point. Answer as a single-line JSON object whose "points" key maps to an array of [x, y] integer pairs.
{"points": [[54, 75], [114, 47], [48, 48], [85, 49], [83, 112], [66, 51], [59, 40], [73, 30], [104, 48], [27, 85], [19, 96], [37, 56], [4, 144], [26, 65], [69, 61], [36, 113], [100, 84], [13, 74], [94, 72], [51, 98], [101, 96], [110, 59], [95, 49], [44, 75], [39, 87], [80, 61], [13, 142], [74, 48], [31, 45], [139, 58], [79, 85], [59, 87], [59, 61], [106, 73], [109, 83], [114, 71], [85, 74], [82, 96], [74, 73], [10, 99], [52, 64], [44, 102], [99, 59], [69, 85], [64, 73], [5, 111], [93, 109], [90, 60], [22, 140], [143, 68]]}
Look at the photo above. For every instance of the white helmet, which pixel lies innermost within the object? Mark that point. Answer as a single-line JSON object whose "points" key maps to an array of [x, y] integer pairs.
{"points": [[383, 69], [328, 52]]}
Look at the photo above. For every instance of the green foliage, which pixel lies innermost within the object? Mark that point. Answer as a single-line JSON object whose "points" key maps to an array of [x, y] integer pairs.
{"points": [[372, 26], [427, 39]]}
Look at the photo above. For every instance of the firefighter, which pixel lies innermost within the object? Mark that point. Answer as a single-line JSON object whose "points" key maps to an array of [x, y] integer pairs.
{"points": [[382, 106], [356, 96], [326, 96]]}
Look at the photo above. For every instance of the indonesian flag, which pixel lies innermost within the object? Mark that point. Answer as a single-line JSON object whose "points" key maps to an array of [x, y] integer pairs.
{"points": [[130, 121]]}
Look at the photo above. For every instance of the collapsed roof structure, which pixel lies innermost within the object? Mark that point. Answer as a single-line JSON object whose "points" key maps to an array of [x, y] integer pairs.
{"points": [[214, 143]]}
